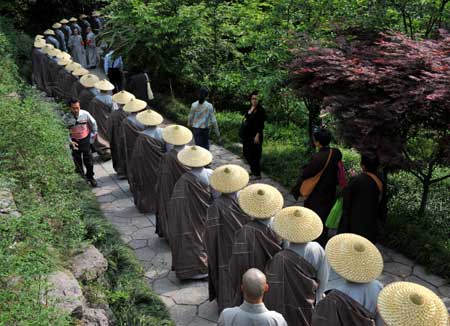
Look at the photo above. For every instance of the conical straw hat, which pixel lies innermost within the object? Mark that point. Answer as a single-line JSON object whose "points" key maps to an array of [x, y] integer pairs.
{"points": [[122, 97], [47, 48], [89, 80], [95, 13], [64, 62], [104, 85], [80, 72], [73, 66], [297, 224], [64, 21], [54, 52], [260, 200], [149, 118], [49, 32], [64, 55], [354, 258], [411, 304], [56, 25], [194, 156], [73, 19], [135, 105], [229, 178], [38, 37], [83, 16], [176, 135], [39, 44]]}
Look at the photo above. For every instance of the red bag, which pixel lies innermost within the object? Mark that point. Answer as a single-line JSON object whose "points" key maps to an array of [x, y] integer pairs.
{"points": [[342, 179]]}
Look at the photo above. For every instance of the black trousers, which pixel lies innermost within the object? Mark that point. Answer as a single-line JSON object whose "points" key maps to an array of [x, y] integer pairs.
{"points": [[252, 153], [201, 137], [83, 156], [115, 76]]}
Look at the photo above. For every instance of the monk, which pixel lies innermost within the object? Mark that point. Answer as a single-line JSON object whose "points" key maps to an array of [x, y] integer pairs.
{"points": [[354, 301], [255, 243], [38, 58], [169, 171], [297, 275], [88, 92], [148, 150], [224, 219], [77, 87], [67, 79]]}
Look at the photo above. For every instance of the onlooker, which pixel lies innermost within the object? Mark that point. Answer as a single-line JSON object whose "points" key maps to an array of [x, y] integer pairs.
{"points": [[361, 211], [60, 36], [96, 22], [252, 135], [201, 118], [91, 48], [76, 47], [113, 66], [74, 25], [252, 311], [50, 37], [325, 165], [139, 84]]}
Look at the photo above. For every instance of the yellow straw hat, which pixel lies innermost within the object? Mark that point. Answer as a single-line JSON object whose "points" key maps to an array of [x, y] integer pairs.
{"points": [[83, 16], [40, 43], [64, 21], [297, 224], [104, 85], [149, 118], [64, 62], [354, 258], [135, 105], [38, 37], [95, 13], [47, 48], [260, 200], [56, 25], [49, 32], [54, 52], [89, 80], [80, 72], [64, 55], [194, 156], [176, 135], [229, 178], [73, 66], [73, 19], [411, 304], [123, 97]]}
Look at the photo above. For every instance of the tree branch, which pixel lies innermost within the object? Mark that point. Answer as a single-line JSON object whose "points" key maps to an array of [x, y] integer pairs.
{"points": [[439, 179]]}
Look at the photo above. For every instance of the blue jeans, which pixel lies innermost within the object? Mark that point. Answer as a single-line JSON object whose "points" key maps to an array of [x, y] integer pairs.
{"points": [[201, 137]]}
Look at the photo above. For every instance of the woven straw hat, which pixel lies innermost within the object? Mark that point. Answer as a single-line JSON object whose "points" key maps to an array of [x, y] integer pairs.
{"points": [[40, 43], [297, 224], [89, 80], [73, 66], [38, 37], [83, 16], [176, 135], [80, 72], [64, 55], [104, 85], [49, 32], [122, 97], [195, 156], [135, 105], [260, 200], [95, 13], [73, 19], [149, 118], [56, 25], [64, 62], [64, 21], [411, 304], [354, 258], [47, 48], [54, 52], [229, 178]]}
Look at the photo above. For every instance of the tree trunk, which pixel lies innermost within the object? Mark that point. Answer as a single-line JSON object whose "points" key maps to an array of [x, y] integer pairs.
{"points": [[425, 195]]}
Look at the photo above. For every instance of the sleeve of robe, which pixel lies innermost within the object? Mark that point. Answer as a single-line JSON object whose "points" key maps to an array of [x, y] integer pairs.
{"points": [[318, 259]]}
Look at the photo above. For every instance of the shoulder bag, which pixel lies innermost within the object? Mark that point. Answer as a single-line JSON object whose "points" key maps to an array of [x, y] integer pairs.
{"points": [[308, 185]]}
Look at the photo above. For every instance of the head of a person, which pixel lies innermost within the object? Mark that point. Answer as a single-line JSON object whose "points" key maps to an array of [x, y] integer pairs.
{"points": [[203, 94], [76, 31], [88, 29], [74, 104], [322, 137], [369, 162], [254, 99], [254, 285]]}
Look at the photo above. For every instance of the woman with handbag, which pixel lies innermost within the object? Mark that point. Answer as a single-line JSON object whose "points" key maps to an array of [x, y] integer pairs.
{"points": [[252, 132]]}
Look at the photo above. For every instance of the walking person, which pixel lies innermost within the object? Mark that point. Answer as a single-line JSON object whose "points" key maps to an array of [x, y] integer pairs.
{"points": [[201, 118], [252, 134], [91, 48], [76, 46], [113, 66], [83, 131]]}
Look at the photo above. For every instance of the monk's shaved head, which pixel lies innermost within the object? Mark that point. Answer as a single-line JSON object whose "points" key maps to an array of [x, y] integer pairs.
{"points": [[254, 284]]}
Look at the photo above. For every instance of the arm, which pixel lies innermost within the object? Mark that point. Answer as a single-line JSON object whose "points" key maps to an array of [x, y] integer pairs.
{"points": [[190, 115], [322, 274], [213, 121], [92, 123], [106, 64]]}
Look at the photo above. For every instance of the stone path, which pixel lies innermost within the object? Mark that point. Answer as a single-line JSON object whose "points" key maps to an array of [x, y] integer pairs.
{"points": [[188, 300]]}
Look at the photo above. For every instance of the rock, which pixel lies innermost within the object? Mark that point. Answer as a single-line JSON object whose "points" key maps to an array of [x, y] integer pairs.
{"points": [[89, 264], [64, 291], [7, 204], [94, 317]]}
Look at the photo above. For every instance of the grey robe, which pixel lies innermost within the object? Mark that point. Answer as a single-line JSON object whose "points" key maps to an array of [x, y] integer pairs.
{"points": [[248, 314], [130, 133], [115, 137], [61, 39], [224, 219], [91, 49], [186, 215], [67, 32], [142, 170], [170, 170], [77, 51], [52, 40]]}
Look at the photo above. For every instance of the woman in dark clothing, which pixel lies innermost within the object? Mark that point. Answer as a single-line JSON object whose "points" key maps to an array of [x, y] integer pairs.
{"points": [[361, 210], [323, 196], [252, 136]]}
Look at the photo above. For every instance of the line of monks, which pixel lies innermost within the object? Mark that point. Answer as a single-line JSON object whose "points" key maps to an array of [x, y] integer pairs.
{"points": [[219, 227]]}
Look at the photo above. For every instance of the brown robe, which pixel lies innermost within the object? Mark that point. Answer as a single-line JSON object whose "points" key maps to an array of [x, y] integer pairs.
{"points": [[170, 170], [76, 89], [253, 246], [186, 217], [338, 309], [292, 287], [47, 76], [66, 80], [100, 111], [116, 142], [142, 171], [38, 58], [85, 96], [224, 219], [130, 133]]}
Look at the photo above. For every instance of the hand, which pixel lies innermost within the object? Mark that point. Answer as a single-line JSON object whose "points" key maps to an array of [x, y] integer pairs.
{"points": [[74, 145], [256, 140]]}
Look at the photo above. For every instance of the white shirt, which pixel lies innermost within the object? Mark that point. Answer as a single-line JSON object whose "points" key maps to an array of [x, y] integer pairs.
{"points": [[251, 315]]}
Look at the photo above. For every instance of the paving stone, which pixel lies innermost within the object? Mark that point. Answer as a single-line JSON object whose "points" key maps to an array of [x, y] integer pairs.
{"points": [[186, 283], [182, 315], [420, 272], [209, 311], [417, 280], [118, 220], [159, 267], [387, 278], [445, 290], [163, 286], [399, 258], [145, 254], [160, 245], [106, 198], [144, 233], [125, 238], [167, 301], [398, 269], [127, 212], [141, 222], [127, 229], [191, 295], [136, 244], [197, 321]]}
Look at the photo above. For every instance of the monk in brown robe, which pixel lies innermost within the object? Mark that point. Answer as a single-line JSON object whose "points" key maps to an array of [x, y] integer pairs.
{"points": [[297, 275], [88, 92], [170, 170], [68, 79], [255, 243], [223, 220], [186, 214], [148, 150], [37, 61], [77, 87]]}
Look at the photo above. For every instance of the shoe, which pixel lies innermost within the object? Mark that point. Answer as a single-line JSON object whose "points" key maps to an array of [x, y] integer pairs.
{"points": [[93, 182]]}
